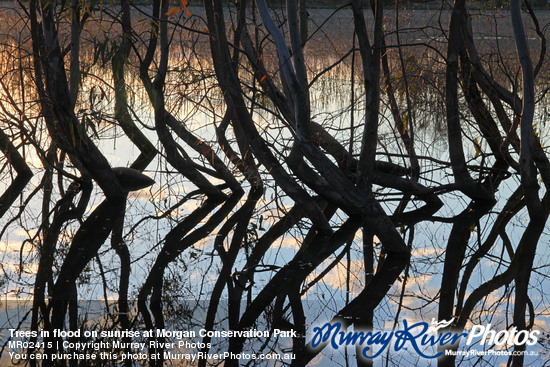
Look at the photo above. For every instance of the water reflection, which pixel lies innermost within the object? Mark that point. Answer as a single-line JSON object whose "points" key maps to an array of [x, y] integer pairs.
{"points": [[193, 97]]}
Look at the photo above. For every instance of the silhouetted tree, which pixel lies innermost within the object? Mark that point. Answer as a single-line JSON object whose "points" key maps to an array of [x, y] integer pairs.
{"points": [[219, 104]]}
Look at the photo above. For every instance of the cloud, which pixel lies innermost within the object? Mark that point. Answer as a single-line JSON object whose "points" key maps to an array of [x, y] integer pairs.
{"points": [[426, 252], [14, 247], [337, 277]]}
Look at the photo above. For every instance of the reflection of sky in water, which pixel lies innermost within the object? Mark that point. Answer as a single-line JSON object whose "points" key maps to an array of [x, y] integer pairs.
{"points": [[331, 108]]}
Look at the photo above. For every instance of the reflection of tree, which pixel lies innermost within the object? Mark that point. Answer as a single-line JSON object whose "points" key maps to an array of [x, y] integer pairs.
{"points": [[264, 142]]}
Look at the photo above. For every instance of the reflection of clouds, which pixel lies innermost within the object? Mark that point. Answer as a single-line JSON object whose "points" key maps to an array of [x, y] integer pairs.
{"points": [[15, 267], [421, 279], [33, 161], [198, 278], [317, 361], [166, 197], [167, 190], [21, 232], [205, 243], [491, 307], [15, 247], [337, 277], [426, 252], [290, 242], [271, 214], [418, 291], [421, 282], [359, 237], [541, 323], [190, 206], [16, 294], [142, 195], [497, 297]]}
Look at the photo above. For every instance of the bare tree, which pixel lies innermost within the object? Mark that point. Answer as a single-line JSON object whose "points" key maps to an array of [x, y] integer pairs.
{"points": [[218, 112]]}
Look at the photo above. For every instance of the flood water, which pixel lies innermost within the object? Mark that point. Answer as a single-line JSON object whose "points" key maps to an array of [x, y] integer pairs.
{"points": [[337, 100]]}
